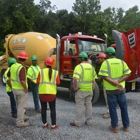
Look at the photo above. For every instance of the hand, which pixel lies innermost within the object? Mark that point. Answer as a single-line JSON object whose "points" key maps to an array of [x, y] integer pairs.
{"points": [[26, 90], [120, 87], [115, 83]]}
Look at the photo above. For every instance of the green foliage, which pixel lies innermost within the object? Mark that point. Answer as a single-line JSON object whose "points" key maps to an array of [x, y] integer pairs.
{"points": [[86, 17]]}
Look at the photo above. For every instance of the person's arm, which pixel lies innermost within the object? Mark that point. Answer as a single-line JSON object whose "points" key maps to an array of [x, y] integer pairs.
{"points": [[123, 78], [23, 83], [57, 80], [9, 83], [113, 82], [22, 76], [93, 84], [75, 84]]}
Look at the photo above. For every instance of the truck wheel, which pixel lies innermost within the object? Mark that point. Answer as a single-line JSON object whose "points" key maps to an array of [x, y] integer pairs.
{"points": [[2, 77], [96, 94]]}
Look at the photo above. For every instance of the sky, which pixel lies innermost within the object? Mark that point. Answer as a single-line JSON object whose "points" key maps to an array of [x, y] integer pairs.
{"points": [[67, 4]]}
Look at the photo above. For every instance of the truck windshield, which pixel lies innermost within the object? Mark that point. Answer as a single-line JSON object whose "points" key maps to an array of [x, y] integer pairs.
{"points": [[88, 45]]}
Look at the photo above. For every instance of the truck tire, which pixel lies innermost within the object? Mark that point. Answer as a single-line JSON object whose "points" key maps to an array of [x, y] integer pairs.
{"points": [[2, 77], [96, 94]]}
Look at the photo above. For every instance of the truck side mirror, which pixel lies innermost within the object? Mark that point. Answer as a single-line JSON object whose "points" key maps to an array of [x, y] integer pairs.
{"points": [[66, 47]]}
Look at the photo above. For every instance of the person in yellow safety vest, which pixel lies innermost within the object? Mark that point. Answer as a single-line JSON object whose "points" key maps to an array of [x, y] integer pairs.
{"points": [[114, 73], [33, 75], [11, 61], [20, 88], [47, 92], [83, 83], [100, 60]]}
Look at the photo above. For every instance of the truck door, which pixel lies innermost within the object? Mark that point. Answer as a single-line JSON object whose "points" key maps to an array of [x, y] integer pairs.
{"points": [[69, 61]]}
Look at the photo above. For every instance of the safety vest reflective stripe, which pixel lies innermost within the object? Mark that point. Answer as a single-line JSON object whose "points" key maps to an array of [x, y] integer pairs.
{"points": [[8, 89], [32, 73], [49, 83], [46, 85], [76, 74], [103, 71], [82, 77], [125, 70], [17, 76], [109, 71]]}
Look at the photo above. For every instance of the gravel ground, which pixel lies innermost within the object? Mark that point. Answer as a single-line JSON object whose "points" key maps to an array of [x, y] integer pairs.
{"points": [[66, 114]]}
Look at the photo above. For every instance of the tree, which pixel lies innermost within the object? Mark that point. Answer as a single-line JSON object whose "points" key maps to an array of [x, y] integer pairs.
{"points": [[85, 12], [16, 16], [130, 20]]}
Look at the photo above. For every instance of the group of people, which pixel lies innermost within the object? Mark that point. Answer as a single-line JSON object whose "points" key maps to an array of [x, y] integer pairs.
{"points": [[44, 83], [114, 72]]}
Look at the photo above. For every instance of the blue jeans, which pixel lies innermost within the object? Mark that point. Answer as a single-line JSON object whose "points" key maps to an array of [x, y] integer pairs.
{"points": [[113, 99], [12, 102], [34, 89]]}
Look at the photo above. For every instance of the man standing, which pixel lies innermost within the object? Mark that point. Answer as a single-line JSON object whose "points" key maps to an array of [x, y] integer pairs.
{"points": [[100, 60], [114, 72], [83, 81], [33, 75], [11, 61], [20, 88]]}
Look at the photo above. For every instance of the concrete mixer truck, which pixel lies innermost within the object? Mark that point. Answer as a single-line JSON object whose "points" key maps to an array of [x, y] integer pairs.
{"points": [[64, 51]]}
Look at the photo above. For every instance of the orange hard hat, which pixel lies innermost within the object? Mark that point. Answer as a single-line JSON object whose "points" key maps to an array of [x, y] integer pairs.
{"points": [[113, 45], [49, 61], [23, 55], [102, 55]]}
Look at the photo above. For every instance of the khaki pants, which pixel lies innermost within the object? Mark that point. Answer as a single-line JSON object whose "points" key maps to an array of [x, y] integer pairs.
{"points": [[21, 101], [105, 96], [83, 101]]}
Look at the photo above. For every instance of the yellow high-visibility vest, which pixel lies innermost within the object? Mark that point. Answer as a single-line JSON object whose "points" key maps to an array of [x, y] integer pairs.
{"points": [[8, 89], [115, 69], [14, 76], [32, 73], [46, 86], [85, 73]]}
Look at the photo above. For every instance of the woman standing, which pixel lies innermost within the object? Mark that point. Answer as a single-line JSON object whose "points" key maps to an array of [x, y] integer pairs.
{"points": [[47, 92]]}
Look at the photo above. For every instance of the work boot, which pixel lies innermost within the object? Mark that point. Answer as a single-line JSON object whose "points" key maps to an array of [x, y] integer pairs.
{"points": [[73, 124], [14, 115], [114, 129], [38, 110], [46, 126], [106, 115], [25, 124], [26, 118], [126, 129], [54, 127]]}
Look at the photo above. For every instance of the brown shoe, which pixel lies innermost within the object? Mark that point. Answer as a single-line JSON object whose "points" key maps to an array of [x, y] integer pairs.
{"points": [[46, 126], [47, 109], [114, 129], [54, 127], [126, 129], [73, 124], [38, 110], [25, 124], [106, 115], [26, 118]]}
